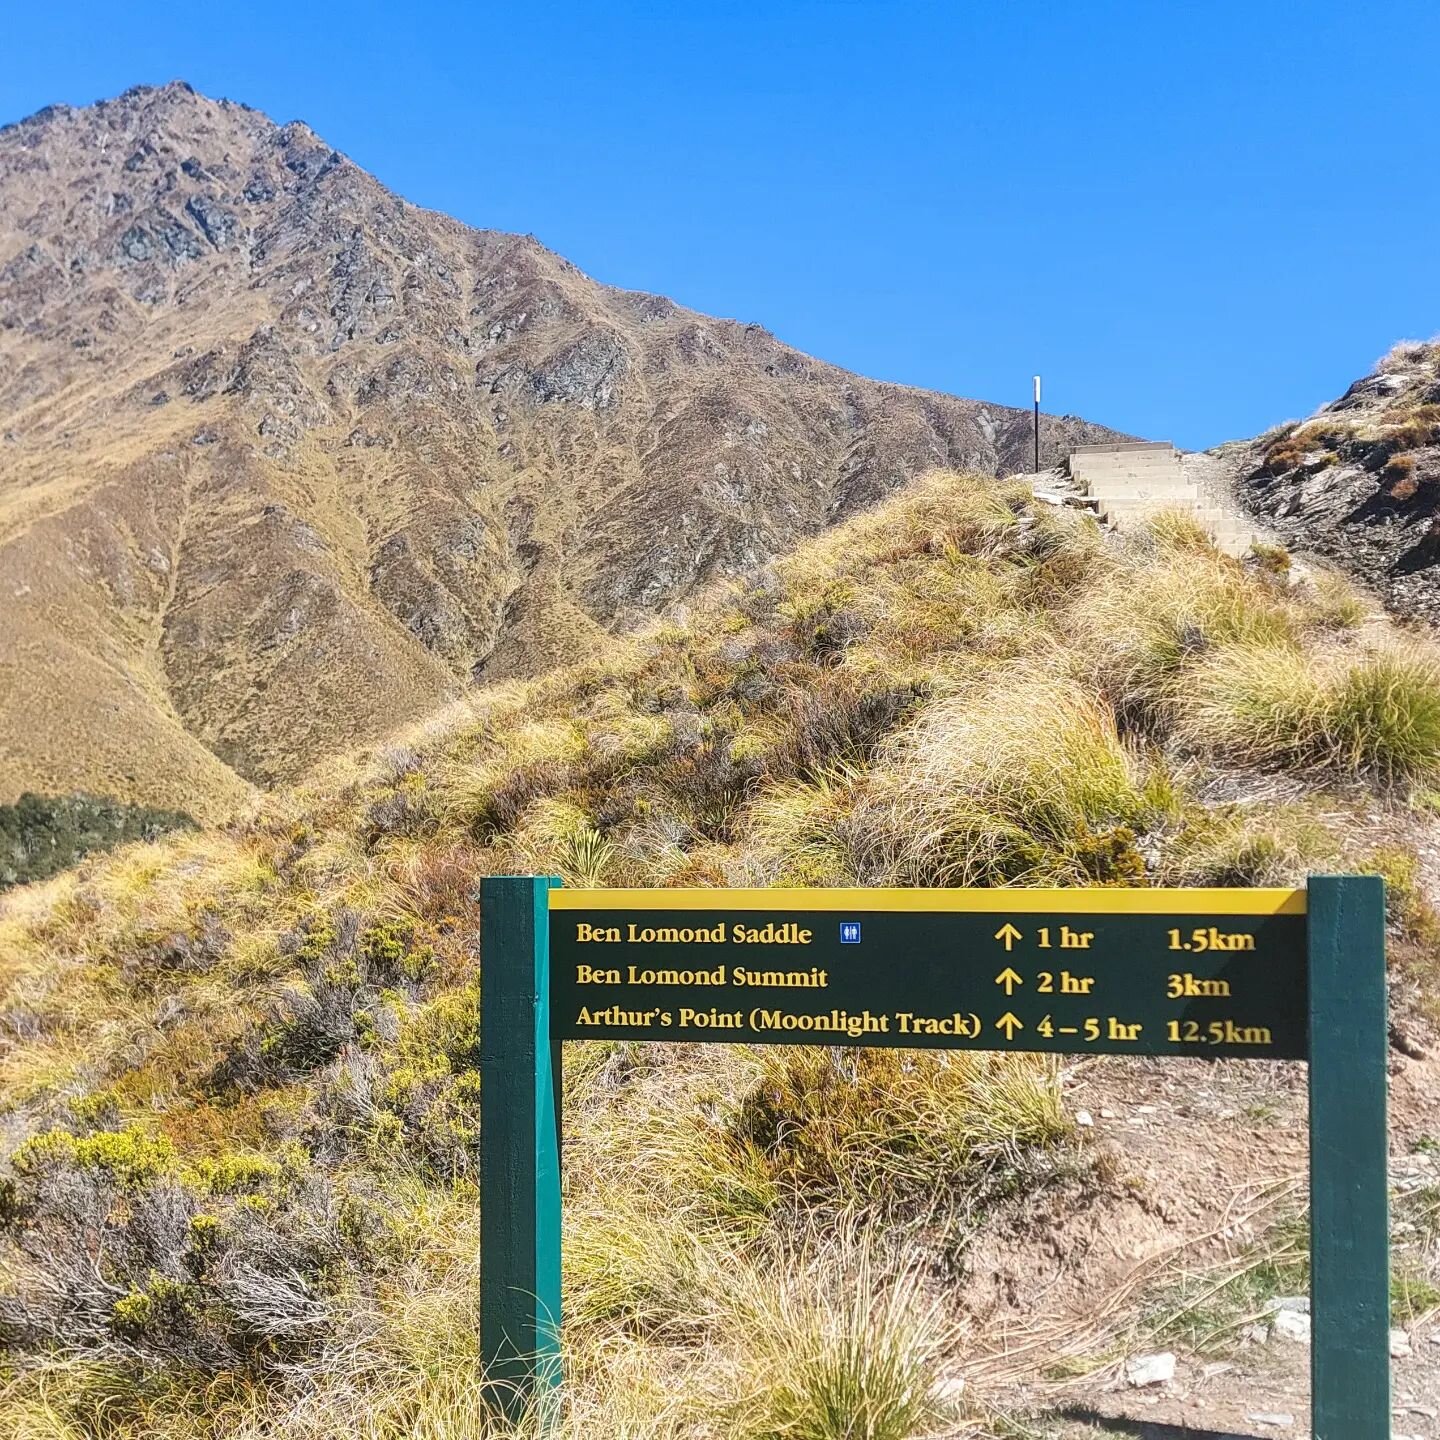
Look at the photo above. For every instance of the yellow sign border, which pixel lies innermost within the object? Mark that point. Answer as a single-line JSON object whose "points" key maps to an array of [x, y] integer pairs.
{"points": [[1016, 901]]}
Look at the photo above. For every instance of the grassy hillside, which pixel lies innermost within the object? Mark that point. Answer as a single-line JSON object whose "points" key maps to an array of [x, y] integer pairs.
{"points": [[238, 1068]]}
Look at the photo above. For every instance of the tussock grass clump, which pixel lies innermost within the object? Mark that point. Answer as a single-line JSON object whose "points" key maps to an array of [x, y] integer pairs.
{"points": [[872, 1130], [841, 724], [941, 513], [848, 1353], [533, 759], [1025, 783], [1275, 559], [812, 829], [650, 1268], [1333, 604], [1373, 713], [1159, 611], [1421, 426], [1176, 530], [1277, 847]]}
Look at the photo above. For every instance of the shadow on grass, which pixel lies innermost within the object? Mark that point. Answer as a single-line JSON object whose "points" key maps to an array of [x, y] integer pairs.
{"points": [[1147, 1429]]}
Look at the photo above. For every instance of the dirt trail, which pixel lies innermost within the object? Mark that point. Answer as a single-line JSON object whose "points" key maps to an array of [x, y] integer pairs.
{"points": [[1201, 1160]]}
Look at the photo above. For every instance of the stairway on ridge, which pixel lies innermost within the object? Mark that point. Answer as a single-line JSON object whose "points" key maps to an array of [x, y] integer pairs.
{"points": [[1128, 482]]}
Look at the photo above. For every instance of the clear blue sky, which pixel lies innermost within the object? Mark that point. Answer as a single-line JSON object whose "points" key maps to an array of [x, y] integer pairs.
{"points": [[1195, 220]]}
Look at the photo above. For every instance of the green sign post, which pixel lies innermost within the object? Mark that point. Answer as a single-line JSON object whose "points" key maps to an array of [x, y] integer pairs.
{"points": [[1257, 974]]}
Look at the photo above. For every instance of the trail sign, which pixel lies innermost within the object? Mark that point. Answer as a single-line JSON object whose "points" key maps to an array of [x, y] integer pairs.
{"points": [[1131, 972], [1253, 974]]}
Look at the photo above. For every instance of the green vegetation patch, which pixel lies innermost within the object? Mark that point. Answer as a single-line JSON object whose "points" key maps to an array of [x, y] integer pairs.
{"points": [[40, 835]]}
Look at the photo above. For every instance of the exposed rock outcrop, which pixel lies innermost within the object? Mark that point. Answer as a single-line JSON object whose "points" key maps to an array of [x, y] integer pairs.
{"points": [[1360, 480]]}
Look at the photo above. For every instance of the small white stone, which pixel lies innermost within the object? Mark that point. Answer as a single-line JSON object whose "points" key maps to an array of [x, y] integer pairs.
{"points": [[1292, 1325], [952, 1387], [1083, 1117], [1298, 1303], [1399, 1345], [1277, 1418], [1141, 1370], [1106, 1114]]}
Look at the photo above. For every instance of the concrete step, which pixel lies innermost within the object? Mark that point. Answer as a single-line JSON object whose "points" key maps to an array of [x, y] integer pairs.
{"points": [[1162, 466], [1127, 462], [1126, 457], [1123, 457], [1147, 502], [1105, 478], [1162, 478], [1144, 504], [1122, 447], [1104, 472], [1180, 489], [1231, 537], [1129, 482]]}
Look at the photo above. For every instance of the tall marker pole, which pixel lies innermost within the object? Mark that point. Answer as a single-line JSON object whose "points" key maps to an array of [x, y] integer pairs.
{"points": [[1349, 1202], [519, 1147], [1037, 424]]}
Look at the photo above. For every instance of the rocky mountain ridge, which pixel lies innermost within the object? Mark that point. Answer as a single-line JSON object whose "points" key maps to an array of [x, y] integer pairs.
{"points": [[1359, 482], [287, 461]]}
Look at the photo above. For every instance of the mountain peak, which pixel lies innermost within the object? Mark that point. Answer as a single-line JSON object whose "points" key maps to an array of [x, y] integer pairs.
{"points": [[170, 90], [288, 462], [137, 104]]}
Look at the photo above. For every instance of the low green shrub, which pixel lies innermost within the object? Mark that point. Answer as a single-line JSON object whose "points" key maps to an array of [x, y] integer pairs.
{"points": [[874, 1128], [41, 835], [128, 1157]]}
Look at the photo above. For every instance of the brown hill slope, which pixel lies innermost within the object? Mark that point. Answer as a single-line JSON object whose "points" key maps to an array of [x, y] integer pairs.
{"points": [[238, 1099], [1360, 480], [286, 461]]}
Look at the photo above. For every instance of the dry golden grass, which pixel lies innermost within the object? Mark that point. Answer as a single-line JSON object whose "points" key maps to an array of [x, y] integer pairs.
{"points": [[1160, 609], [1373, 712], [1012, 785], [960, 688]]}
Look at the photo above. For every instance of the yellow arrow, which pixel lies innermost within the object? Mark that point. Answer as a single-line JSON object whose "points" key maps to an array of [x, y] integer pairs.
{"points": [[1009, 979], [1009, 1024], [1009, 934]]}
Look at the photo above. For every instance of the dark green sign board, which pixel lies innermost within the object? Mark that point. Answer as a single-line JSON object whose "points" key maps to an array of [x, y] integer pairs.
{"points": [[1041, 971], [1255, 974]]}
